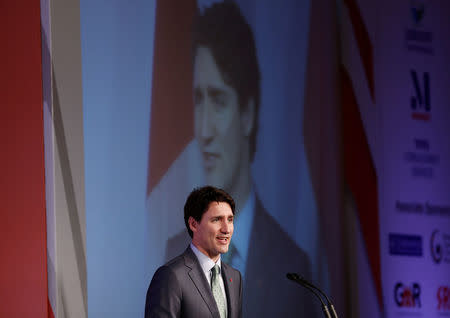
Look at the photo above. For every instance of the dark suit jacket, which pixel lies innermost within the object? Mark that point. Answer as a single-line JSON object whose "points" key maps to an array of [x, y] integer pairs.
{"points": [[180, 289], [272, 254]]}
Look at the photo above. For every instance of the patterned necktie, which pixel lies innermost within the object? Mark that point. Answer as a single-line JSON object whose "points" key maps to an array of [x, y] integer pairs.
{"points": [[217, 291]]}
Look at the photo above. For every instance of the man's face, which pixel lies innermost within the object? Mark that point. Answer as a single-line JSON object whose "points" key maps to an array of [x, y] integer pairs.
{"points": [[219, 127], [212, 235]]}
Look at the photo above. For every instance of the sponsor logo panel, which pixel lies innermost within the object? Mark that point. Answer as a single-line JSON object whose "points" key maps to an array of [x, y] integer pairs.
{"points": [[407, 295], [443, 299], [405, 244], [421, 160], [440, 247], [425, 208], [418, 38], [420, 99]]}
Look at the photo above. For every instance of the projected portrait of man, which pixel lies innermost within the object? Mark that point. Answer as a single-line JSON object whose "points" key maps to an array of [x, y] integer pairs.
{"points": [[226, 94], [226, 100]]}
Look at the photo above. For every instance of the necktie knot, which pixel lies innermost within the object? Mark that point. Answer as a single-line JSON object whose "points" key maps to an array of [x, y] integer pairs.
{"points": [[215, 270]]}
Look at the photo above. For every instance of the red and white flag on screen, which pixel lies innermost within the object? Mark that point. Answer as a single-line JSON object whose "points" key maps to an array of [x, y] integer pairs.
{"points": [[174, 161]]}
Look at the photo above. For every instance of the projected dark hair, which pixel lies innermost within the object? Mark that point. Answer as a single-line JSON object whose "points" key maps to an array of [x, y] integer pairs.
{"points": [[222, 29], [198, 202]]}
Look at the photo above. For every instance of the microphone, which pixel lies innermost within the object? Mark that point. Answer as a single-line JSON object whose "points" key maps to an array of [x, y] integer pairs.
{"points": [[302, 281], [330, 304], [294, 277]]}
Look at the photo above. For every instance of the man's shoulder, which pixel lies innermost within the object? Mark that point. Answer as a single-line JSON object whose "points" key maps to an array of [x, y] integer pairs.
{"points": [[271, 229], [269, 238], [230, 270], [175, 261]]}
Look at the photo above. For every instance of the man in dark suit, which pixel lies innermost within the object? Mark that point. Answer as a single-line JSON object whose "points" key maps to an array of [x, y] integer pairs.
{"points": [[226, 86], [197, 284], [272, 254]]}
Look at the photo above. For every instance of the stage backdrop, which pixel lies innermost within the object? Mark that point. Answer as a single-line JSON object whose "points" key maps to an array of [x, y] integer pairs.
{"points": [[357, 185]]}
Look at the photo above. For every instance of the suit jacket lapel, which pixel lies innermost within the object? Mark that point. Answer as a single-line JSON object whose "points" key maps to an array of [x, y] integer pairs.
{"points": [[198, 278], [230, 291]]}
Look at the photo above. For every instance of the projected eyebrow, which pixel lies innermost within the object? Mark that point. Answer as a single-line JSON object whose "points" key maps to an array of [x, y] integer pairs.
{"points": [[218, 96]]}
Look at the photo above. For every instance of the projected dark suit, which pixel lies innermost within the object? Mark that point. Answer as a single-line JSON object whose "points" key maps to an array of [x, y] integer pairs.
{"points": [[272, 254], [180, 289]]}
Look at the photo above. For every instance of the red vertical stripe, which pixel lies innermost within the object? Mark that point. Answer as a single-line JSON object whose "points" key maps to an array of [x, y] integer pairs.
{"points": [[171, 124], [50, 310], [364, 43], [23, 274], [361, 177]]}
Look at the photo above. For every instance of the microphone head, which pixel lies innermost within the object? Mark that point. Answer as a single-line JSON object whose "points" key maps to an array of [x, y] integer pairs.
{"points": [[301, 281], [297, 276], [294, 277], [290, 276]]}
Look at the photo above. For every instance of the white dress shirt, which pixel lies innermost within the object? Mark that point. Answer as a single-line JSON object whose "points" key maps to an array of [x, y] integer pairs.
{"points": [[207, 264]]}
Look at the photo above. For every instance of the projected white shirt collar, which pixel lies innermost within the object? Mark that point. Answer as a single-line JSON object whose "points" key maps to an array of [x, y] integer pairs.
{"points": [[243, 223]]}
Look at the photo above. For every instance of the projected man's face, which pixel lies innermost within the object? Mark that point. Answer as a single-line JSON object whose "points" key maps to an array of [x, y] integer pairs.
{"points": [[219, 127]]}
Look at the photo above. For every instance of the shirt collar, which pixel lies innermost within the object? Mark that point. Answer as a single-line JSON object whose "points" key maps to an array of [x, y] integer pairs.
{"points": [[205, 262]]}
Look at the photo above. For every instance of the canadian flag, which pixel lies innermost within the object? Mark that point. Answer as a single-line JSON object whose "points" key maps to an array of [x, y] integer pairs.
{"points": [[174, 166]]}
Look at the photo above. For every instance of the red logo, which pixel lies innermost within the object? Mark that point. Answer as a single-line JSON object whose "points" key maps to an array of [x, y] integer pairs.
{"points": [[443, 298]]}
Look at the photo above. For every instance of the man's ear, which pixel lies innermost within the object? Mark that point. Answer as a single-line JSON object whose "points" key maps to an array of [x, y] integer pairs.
{"points": [[248, 117], [193, 224]]}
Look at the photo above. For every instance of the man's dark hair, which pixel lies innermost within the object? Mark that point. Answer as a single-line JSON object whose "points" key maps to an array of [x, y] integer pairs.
{"points": [[222, 29], [198, 202]]}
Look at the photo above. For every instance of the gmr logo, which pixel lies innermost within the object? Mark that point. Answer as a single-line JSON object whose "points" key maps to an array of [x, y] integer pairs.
{"points": [[407, 296], [443, 298]]}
